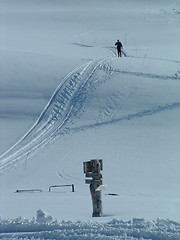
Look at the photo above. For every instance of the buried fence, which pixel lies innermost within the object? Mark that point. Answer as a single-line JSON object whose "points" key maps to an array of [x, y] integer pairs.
{"points": [[28, 190], [59, 186], [40, 191]]}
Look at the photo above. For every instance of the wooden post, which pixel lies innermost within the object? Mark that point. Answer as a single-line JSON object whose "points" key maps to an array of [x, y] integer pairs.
{"points": [[92, 170]]}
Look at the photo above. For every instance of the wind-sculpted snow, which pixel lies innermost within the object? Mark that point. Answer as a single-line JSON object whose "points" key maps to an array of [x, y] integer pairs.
{"points": [[135, 229]]}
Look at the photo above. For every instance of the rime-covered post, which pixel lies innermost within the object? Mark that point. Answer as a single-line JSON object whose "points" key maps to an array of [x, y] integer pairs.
{"points": [[92, 169]]}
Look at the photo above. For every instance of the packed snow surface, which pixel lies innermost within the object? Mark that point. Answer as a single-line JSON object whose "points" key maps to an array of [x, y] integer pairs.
{"points": [[66, 98]]}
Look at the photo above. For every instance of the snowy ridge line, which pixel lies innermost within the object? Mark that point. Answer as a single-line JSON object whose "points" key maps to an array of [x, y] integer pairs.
{"points": [[58, 111], [140, 114], [135, 229], [124, 52]]}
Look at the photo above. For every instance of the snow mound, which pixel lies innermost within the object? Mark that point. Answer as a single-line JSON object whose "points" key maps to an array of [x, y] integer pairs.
{"points": [[42, 217], [116, 229]]}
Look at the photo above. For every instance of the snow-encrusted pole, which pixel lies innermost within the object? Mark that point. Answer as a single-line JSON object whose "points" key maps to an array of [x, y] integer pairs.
{"points": [[92, 169]]}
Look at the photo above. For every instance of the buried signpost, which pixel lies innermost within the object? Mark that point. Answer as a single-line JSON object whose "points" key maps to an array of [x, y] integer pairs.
{"points": [[92, 169]]}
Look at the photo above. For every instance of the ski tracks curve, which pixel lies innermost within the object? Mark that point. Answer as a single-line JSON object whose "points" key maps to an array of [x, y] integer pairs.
{"points": [[66, 103], [63, 106]]}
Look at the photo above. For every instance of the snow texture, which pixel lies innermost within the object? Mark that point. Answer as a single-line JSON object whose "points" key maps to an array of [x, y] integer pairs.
{"points": [[116, 229]]}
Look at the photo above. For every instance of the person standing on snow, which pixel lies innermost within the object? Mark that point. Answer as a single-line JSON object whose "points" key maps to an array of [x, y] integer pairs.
{"points": [[119, 46]]}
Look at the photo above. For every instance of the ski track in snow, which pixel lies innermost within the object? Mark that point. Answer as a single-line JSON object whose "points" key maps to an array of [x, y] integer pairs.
{"points": [[64, 105], [140, 114]]}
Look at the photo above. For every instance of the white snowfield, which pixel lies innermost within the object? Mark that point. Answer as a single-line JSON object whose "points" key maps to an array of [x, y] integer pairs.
{"points": [[66, 98]]}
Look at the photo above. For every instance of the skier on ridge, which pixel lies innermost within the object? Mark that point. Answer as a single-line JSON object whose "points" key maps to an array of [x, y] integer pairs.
{"points": [[119, 47]]}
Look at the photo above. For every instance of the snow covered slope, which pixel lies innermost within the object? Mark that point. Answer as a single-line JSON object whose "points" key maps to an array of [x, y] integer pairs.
{"points": [[66, 98]]}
